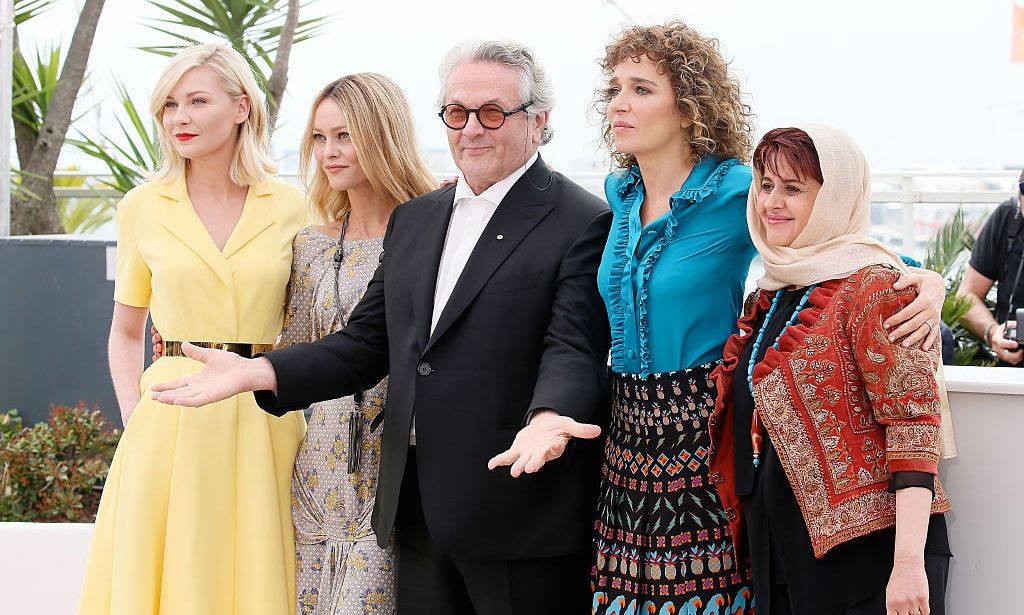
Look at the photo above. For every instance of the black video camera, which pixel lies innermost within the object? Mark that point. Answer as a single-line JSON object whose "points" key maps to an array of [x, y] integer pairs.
{"points": [[1014, 331]]}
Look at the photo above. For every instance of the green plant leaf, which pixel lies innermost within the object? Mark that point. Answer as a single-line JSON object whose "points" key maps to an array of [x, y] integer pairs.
{"points": [[32, 86], [252, 27], [84, 215], [27, 9], [134, 154]]}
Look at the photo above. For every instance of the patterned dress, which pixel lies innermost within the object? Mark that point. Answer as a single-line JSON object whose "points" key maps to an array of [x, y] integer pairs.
{"points": [[340, 570], [672, 288]]}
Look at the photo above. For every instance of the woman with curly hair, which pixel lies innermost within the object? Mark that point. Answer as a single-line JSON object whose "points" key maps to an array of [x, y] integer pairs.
{"points": [[672, 277]]}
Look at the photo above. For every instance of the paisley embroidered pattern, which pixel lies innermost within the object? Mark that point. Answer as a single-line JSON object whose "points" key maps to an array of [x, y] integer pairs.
{"points": [[845, 407]]}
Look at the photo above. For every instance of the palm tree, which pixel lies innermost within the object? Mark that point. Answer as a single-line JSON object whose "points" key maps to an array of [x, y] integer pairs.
{"points": [[254, 27], [263, 31], [130, 157], [34, 207]]}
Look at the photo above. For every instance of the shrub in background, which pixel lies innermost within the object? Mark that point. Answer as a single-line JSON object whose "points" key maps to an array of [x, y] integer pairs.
{"points": [[10, 424], [54, 471]]}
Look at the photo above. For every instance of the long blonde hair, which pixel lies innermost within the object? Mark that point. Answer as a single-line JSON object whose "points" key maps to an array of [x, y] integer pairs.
{"points": [[252, 161], [381, 126]]}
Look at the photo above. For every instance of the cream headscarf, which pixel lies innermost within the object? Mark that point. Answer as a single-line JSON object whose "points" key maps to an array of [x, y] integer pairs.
{"points": [[835, 243]]}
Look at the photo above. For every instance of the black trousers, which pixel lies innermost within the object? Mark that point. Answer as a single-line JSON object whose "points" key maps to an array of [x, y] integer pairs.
{"points": [[936, 568], [429, 582]]}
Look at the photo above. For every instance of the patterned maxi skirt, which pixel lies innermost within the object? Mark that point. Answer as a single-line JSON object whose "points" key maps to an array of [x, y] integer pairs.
{"points": [[661, 539]]}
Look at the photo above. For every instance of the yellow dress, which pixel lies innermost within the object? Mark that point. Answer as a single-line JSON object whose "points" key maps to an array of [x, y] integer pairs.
{"points": [[195, 515]]}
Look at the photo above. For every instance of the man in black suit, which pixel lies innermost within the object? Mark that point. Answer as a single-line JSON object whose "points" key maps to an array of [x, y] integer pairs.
{"points": [[486, 315]]}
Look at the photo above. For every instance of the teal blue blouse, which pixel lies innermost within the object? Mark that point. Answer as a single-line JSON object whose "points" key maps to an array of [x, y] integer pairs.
{"points": [[674, 289]]}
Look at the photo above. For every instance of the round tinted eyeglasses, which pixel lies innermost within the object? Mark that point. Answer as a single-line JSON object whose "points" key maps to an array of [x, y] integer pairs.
{"points": [[490, 115]]}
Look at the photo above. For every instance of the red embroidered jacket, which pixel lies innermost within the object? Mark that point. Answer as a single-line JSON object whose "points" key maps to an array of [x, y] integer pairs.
{"points": [[844, 408]]}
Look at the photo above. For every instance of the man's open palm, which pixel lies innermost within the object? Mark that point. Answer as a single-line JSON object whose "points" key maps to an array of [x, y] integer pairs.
{"points": [[543, 440], [224, 374]]}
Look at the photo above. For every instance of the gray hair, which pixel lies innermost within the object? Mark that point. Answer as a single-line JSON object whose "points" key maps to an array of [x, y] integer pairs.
{"points": [[533, 81]]}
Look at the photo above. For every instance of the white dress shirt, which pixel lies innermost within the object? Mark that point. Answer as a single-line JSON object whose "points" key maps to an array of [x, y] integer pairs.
{"points": [[471, 213]]}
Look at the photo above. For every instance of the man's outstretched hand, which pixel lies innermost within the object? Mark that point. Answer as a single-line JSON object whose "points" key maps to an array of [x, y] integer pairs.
{"points": [[224, 374], [543, 440]]}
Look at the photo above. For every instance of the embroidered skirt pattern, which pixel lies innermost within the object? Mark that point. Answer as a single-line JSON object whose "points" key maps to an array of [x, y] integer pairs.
{"points": [[661, 539]]}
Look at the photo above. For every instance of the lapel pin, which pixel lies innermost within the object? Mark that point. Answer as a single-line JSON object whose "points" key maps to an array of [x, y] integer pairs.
{"points": [[500, 237]]}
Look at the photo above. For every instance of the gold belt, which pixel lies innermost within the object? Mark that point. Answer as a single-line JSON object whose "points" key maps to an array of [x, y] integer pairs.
{"points": [[173, 349]]}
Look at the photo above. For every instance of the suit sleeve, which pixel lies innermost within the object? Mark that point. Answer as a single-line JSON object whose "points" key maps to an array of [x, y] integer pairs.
{"points": [[352, 359], [573, 368]]}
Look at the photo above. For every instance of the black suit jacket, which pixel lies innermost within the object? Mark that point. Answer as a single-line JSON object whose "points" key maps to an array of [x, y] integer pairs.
{"points": [[524, 329]]}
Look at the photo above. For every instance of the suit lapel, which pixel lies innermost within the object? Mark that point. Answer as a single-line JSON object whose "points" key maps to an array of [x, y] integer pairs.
{"points": [[433, 232], [180, 219], [520, 211]]}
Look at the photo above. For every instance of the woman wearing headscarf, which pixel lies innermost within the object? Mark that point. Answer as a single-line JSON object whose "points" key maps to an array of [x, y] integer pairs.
{"points": [[826, 434]]}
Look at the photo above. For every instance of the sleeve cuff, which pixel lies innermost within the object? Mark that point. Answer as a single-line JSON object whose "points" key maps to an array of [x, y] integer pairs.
{"points": [[913, 447], [983, 269], [267, 400], [139, 300], [907, 478]]}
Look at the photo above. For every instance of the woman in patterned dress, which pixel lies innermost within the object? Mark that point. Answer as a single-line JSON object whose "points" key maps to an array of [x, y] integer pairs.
{"points": [[672, 278], [359, 160], [678, 129]]}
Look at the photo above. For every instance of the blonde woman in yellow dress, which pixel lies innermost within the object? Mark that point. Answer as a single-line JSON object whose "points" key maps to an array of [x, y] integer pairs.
{"points": [[195, 518], [359, 160]]}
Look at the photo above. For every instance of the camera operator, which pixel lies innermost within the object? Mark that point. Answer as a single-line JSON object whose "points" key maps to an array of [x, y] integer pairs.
{"points": [[997, 259]]}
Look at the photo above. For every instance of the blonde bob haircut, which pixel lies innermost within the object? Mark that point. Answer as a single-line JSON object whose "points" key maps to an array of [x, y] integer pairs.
{"points": [[381, 127], [252, 162]]}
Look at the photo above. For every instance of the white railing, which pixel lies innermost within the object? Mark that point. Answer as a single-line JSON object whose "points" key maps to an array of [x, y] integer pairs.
{"points": [[905, 204]]}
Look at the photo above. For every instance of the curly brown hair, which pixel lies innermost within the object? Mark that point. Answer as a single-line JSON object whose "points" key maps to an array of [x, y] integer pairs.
{"points": [[706, 92]]}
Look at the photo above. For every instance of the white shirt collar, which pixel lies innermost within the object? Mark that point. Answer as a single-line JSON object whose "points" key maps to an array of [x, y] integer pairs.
{"points": [[495, 193]]}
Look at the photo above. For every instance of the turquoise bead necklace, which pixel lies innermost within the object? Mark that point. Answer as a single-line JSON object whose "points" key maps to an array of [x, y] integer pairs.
{"points": [[755, 433]]}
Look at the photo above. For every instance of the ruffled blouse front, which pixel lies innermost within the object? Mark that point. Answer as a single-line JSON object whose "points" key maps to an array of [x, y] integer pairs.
{"points": [[674, 288]]}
